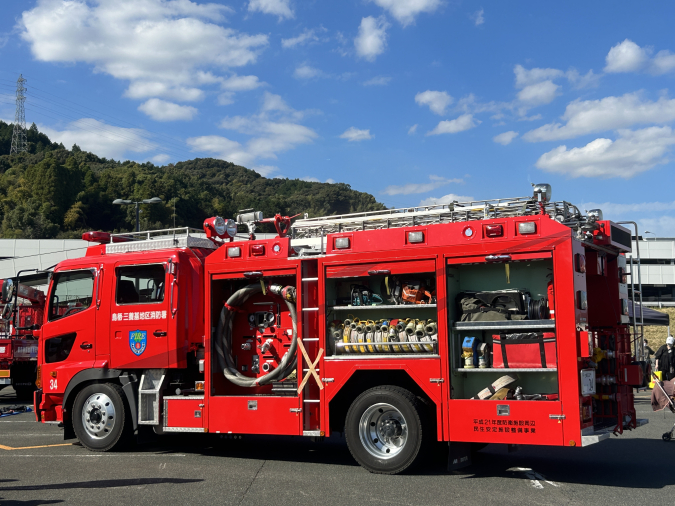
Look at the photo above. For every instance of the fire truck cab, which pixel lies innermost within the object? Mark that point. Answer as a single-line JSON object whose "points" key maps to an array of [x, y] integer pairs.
{"points": [[502, 321]]}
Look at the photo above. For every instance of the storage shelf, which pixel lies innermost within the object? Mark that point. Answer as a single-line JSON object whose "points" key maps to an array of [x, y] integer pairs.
{"points": [[399, 306], [505, 325], [510, 369]]}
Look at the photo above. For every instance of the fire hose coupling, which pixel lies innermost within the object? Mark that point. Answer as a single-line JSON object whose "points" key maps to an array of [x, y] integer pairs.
{"points": [[288, 293]]}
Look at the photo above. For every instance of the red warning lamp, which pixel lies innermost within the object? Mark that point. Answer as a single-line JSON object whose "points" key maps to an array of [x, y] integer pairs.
{"points": [[494, 231], [258, 250]]}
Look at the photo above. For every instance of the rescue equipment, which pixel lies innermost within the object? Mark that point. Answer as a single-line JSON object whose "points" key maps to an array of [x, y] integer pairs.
{"points": [[524, 350]]}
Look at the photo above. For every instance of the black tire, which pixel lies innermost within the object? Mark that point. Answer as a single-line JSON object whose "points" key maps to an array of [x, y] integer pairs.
{"points": [[386, 429], [109, 425], [667, 436]]}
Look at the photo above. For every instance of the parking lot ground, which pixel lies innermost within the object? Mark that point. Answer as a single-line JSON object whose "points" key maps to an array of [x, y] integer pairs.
{"points": [[38, 467]]}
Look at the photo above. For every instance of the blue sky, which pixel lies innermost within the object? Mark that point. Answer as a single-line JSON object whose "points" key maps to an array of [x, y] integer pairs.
{"points": [[414, 101]]}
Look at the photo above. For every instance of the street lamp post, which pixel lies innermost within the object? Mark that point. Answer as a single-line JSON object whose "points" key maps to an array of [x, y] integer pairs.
{"points": [[648, 232], [123, 202]]}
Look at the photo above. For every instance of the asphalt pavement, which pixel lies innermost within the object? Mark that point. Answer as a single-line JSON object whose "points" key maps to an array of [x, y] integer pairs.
{"points": [[38, 467]]}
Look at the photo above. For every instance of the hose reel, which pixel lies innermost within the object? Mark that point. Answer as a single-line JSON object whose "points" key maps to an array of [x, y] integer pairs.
{"points": [[223, 343]]}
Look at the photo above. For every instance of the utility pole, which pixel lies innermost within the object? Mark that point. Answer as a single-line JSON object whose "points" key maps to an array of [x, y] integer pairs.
{"points": [[19, 142]]}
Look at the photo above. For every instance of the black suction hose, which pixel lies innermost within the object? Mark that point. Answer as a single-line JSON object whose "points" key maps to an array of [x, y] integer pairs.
{"points": [[224, 342]]}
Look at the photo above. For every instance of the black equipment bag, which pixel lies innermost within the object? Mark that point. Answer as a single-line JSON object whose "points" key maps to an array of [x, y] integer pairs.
{"points": [[493, 306]]}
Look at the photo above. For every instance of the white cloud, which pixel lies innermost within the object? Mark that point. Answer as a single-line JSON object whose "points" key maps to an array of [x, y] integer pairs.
{"points": [[372, 38], [588, 80], [222, 147], [353, 134], [307, 72], [306, 37], [405, 11], [464, 122], [275, 129], [445, 200], [145, 89], [163, 48], [434, 182], [412, 129], [478, 17], [613, 209], [437, 101], [161, 110], [505, 138], [265, 170], [241, 83], [312, 179], [377, 81], [160, 159], [98, 137], [663, 62], [280, 8], [226, 98], [662, 226], [609, 113], [633, 152], [538, 94], [525, 77], [626, 56]]}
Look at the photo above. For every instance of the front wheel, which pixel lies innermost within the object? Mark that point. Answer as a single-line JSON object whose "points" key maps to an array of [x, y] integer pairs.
{"points": [[384, 429], [100, 418]]}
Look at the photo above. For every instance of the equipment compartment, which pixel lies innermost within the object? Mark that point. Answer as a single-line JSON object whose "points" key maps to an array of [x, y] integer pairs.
{"points": [[258, 337], [382, 309], [525, 286]]}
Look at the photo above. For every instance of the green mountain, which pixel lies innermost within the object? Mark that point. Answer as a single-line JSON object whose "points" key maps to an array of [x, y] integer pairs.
{"points": [[53, 192]]}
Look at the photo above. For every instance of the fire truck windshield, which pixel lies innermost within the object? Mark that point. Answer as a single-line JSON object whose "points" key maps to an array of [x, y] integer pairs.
{"points": [[72, 293]]}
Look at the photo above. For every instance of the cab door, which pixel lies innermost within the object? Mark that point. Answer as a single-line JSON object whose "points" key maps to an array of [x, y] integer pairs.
{"points": [[68, 336], [140, 315]]}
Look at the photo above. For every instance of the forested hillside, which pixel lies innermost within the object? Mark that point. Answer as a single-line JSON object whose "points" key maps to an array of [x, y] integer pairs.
{"points": [[52, 191]]}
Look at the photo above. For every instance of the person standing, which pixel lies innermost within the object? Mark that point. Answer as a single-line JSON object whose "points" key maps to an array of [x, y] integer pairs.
{"points": [[665, 359]]}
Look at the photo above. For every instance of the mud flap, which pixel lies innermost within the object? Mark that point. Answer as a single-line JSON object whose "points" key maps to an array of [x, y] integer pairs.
{"points": [[459, 455]]}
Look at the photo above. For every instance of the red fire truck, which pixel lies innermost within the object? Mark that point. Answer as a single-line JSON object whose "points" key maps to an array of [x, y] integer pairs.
{"points": [[498, 321], [21, 310]]}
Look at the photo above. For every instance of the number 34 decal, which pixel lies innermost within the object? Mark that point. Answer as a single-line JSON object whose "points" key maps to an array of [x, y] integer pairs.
{"points": [[52, 384]]}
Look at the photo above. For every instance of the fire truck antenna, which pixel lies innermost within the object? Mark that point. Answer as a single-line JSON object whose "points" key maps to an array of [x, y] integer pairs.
{"points": [[19, 142]]}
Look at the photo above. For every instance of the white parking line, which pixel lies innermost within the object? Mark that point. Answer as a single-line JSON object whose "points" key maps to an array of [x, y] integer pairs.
{"points": [[534, 477]]}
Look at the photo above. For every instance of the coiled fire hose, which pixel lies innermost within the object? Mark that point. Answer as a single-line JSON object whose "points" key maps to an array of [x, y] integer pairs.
{"points": [[224, 337]]}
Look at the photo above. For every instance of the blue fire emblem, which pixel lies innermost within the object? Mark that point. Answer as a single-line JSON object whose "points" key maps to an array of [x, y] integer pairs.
{"points": [[138, 340]]}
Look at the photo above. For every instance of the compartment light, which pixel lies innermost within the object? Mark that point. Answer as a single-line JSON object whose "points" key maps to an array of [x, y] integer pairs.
{"points": [[342, 242], [415, 237], [527, 227], [582, 300], [494, 231], [234, 252], [624, 306], [258, 250]]}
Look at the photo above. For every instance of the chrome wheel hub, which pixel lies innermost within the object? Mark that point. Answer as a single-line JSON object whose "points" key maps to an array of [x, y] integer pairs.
{"points": [[98, 416], [383, 431]]}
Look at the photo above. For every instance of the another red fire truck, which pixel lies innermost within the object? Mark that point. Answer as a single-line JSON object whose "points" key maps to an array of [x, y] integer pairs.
{"points": [[21, 310], [498, 321]]}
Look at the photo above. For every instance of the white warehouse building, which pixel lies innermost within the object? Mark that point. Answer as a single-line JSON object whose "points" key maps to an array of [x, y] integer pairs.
{"points": [[657, 270]]}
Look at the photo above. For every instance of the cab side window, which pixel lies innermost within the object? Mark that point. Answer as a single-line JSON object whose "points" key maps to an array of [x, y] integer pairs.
{"points": [[72, 293], [140, 284]]}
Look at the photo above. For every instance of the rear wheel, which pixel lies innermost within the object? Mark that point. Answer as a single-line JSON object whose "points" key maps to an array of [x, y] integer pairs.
{"points": [[100, 417], [384, 429]]}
